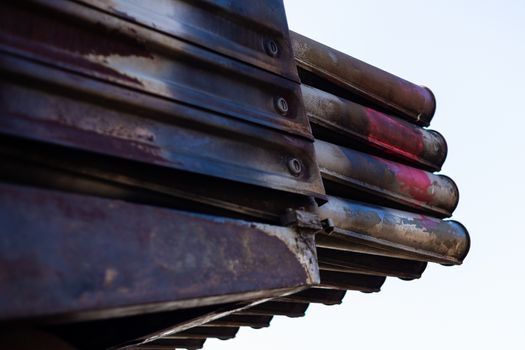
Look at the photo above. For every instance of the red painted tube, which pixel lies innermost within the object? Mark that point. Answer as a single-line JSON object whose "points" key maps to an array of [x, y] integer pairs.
{"points": [[340, 118], [386, 182], [415, 103]]}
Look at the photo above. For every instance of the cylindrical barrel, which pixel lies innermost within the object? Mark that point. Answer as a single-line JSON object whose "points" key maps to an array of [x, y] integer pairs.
{"points": [[234, 320], [203, 332], [340, 118], [368, 264], [385, 182], [351, 281], [273, 308], [410, 101], [395, 233], [316, 295]]}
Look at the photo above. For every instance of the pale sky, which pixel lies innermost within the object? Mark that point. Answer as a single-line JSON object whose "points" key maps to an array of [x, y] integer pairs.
{"points": [[472, 55]]}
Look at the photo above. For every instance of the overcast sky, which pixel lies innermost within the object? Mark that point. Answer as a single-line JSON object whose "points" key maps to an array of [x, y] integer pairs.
{"points": [[472, 55]]}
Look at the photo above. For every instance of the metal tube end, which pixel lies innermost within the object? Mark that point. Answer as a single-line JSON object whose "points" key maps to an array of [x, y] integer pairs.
{"points": [[467, 239], [444, 148], [429, 109]]}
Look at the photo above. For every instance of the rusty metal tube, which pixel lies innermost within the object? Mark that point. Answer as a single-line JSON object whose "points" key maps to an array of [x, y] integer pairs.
{"points": [[368, 264], [203, 332], [271, 308], [241, 321], [316, 295], [394, 233], [344, 119], [410, 101], [351, 281], [386, 182]]}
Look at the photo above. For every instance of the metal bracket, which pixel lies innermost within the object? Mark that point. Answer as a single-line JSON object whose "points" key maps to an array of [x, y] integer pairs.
{"points": [[303, 220], [328, 225]]}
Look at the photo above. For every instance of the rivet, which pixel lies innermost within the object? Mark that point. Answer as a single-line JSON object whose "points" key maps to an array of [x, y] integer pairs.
{"points": [[281, 105], [271, 47], [295, 167]]}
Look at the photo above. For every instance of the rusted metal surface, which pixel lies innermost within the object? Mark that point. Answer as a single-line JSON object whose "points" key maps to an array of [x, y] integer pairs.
{"points": [[375, 179], [39, 164], [351, 281], [71, 36], [244, 153], [253, 32], [122, 114], [349, 123], [346, 261], [149, 97], [148, 266], [412, 102], [384, 231], [302, 220]]}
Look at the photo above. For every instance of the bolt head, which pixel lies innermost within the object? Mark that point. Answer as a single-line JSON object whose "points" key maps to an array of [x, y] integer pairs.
{"points": [[295, 166], [281, 105], [271, 48]]}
